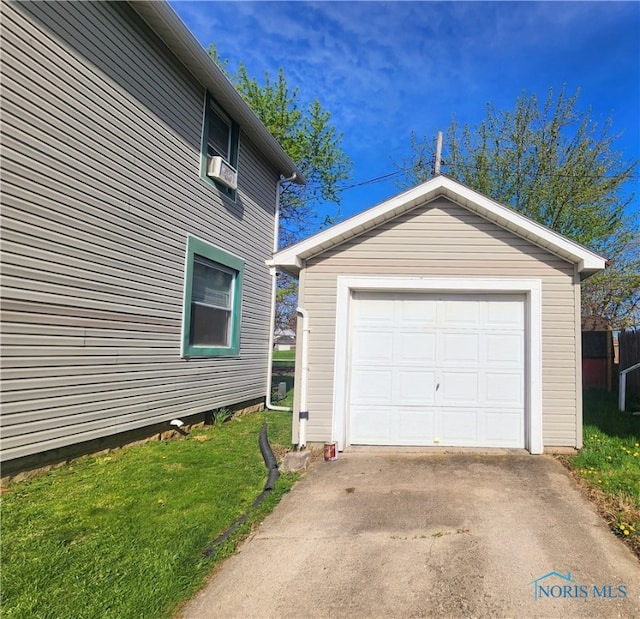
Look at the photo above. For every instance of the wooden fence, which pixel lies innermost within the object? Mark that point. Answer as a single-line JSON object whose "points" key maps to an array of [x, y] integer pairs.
{"points": [[629, 343]]}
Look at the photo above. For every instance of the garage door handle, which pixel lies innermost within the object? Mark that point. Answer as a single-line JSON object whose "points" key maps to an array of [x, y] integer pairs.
{"points": [[437, 386]]}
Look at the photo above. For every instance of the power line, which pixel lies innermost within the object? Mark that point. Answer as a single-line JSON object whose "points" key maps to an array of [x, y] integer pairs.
{"points": [[377, 179], [401, 171]]}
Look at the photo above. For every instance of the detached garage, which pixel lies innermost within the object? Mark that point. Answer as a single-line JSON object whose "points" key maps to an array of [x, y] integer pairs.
{"points": [[439, 318]]}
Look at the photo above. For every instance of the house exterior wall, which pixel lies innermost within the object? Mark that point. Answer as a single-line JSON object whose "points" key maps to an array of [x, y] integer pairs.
{"points": [[443, 239], [100, 187]]}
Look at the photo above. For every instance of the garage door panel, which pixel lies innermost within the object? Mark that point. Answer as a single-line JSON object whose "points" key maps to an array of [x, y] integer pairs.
{"points": [[370, 425], [415, 427], [374, 346], [370, 386], [459, 426], [460, 313], [420, 312], [374, 310], [416, 347], [460, 347], [505, 314], [458, 387], [505, 349], [504, 389], [415, 386], [503, 429]]}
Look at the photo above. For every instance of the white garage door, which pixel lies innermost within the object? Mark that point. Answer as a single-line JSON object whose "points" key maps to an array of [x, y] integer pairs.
{"points": [[437, 369]]}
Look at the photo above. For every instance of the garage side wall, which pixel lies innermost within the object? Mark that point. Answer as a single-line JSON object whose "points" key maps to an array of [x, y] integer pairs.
{"points": [[443, 239]]}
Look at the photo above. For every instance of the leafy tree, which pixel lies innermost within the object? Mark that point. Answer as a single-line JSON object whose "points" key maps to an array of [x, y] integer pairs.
{"points": [[615, 292], [556, 165], [311, 140], [286, 303], [307, 136]]}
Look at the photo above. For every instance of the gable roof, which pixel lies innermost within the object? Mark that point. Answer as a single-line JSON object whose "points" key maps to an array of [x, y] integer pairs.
{"points": [[164, 21], [292, 258]]}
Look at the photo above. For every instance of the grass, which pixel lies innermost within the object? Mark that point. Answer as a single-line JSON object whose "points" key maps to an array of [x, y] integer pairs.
{"points": [[608, 466], [122, 535], [283, 359], [284, 355], [282, 376]]}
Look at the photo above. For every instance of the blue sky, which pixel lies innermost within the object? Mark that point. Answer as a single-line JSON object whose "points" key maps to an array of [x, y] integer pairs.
{"points": [[384, 69]]}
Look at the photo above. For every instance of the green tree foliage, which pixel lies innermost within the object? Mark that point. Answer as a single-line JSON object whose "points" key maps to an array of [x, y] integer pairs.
{"points": [[286, 303], [555, 164], [315, 146], [308, 136], [615, 292]]}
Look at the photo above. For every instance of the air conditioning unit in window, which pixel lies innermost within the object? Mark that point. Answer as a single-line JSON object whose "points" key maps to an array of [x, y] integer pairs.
{"points": [[219, 170]]}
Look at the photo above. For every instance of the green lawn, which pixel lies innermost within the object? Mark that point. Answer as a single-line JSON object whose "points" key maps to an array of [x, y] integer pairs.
{"points": [[122, 535], [284, 376], [609, 463], [284, 355]]}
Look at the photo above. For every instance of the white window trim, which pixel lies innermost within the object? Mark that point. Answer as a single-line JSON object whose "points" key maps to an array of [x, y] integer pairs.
{"points": [[531, 288]]}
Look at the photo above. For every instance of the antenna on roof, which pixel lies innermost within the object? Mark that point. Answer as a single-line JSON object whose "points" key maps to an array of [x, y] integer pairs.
{"points": [[438, 159]]}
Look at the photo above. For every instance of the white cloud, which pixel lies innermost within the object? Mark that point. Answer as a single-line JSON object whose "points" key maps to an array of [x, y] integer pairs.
{"points": [[384, 68]]}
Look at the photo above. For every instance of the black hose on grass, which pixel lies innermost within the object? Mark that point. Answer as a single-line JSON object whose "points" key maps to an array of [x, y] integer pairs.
{"points": [[272, 465], [268, 457]]}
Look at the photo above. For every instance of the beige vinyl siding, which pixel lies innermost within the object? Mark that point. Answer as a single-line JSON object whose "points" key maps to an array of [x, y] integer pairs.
{"points": [[444, 239], [100, 188]]}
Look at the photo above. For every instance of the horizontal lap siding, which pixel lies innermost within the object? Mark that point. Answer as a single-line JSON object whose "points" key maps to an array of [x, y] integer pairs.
{"points": [[100, 188], [443, 239]]}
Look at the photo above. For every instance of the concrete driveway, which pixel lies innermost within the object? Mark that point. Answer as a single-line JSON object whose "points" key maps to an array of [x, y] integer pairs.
{"points": [[387, 533]]}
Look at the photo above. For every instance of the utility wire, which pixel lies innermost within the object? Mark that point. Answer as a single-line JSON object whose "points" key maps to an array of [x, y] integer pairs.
{"points": [[377, 179], [401, 171]]}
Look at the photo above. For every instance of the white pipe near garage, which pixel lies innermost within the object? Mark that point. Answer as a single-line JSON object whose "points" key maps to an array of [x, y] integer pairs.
{"points": [[622, 391], [304, 413]]}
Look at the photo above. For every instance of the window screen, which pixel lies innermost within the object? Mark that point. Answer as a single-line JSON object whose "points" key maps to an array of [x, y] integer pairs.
{"points": [[211, 303], [219, 138]]}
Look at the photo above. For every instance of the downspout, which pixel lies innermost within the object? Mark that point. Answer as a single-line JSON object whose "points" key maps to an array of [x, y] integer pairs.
{"points": [[274, 275], [304, 413]]}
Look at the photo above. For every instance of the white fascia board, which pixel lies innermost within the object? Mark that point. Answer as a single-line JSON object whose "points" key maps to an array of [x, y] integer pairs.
{"points": [[503, 216], [293, 267]]}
